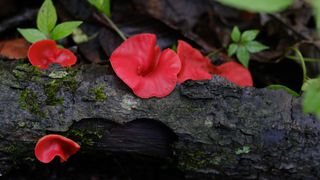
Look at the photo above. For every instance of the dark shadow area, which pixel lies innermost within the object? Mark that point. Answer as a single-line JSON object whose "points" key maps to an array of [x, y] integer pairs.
{"points": [[140, 149]]}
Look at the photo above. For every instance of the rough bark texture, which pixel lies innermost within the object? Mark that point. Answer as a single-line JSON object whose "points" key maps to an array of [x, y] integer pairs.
{"points": [[213, 128]]}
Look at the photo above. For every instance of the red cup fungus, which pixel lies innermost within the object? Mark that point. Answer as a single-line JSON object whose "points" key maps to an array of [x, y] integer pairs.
{"points": [[236, 73], [140, 63], [194, 66], [45, 52], [50, 146]]}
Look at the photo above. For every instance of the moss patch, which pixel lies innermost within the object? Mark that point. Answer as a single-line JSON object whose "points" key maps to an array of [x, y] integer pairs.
{"points": [[98, 92], [85, 137], [28, 100]]}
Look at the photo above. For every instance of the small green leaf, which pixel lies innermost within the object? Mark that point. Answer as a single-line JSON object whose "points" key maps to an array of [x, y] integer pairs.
{"points": [[243, 56], [267, 6], [235, 34], [311, 98], [255, 46], [249, 35], [308, 84], [232, 49], [47, 17], [282, 87], [64, 29], [32, 35], [102, 5]]}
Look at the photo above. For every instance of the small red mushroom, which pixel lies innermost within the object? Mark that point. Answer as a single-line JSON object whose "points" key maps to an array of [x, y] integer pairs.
{"points": [[235, 73], [52, 145], [45, 52], [194, 66], [140, 63]]}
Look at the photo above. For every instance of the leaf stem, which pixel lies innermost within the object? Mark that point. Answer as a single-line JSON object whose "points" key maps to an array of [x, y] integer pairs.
{"points": [[305, 59], [302, 61], [115, 27], [213, 53]]}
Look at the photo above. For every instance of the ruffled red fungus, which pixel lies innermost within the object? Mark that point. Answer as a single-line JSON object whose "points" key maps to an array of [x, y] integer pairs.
{"points": [[235, 73], [144, 68], [195, 66], [45, 52], [50, 146]]}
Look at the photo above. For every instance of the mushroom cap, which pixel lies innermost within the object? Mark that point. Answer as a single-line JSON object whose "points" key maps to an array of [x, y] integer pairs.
{"points": [[194, 66], [40, 52], [52, 145], [140, 64], [235, 73], [43, 53]]}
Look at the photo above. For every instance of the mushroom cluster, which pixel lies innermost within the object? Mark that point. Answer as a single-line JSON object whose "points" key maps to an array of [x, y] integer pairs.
{"points": [[140, 64]]}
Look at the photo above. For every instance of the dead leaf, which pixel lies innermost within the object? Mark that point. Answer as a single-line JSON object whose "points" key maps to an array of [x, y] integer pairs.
{"points": [[14, 49]]}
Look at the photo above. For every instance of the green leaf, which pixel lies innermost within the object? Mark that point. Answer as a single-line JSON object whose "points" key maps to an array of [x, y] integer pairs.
{"points": [[64, 29], [47, 17], [311, 98], [243, 56], [308, 84], [249, 35], [282, 87], [316, 10], [232, 49], [255, 46], [102, 5], [267, 6], [32, 35], [235, 34]]}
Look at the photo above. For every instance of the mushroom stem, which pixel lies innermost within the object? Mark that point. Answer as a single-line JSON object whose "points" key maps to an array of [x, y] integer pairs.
{"points": [[115, 27]]}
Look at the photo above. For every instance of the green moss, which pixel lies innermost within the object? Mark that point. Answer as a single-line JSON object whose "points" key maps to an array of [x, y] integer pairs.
{"points": [[22, 124], [85, 137], [28, 100], [243, 150], [68, 83], [10, 149], [195, 160], [51, 89], [26, 72], [98, 92]]}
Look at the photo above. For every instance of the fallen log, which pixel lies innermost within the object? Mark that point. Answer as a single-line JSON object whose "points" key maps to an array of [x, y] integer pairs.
{"points": [[212, 129]]}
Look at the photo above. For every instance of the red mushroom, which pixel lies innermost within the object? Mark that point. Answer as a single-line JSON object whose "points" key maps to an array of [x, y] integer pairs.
{"points": [[43, 53], [235, 73], [50, 146], [194, 66], [144, 68]]}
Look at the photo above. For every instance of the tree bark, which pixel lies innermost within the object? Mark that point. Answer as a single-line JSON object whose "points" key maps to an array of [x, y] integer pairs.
{"points": [[213, 128]]}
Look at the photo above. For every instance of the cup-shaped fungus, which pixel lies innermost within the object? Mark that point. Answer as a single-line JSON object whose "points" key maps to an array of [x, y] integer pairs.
{"points": [[52, 145], [140, 64], [45, 52], [195, 66], [235, 73]]}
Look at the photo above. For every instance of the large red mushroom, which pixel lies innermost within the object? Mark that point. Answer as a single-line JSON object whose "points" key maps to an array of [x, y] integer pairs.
{"points": [[140, 63], [45, 52], [52, 145]]}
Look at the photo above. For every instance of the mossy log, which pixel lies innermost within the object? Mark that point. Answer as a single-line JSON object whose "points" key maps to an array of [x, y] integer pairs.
{"points": [[213, 129]]}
